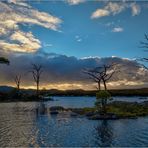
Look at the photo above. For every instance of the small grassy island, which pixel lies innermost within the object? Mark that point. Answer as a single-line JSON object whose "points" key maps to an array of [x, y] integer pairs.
{"points": [[114, 110], [104, 110]]}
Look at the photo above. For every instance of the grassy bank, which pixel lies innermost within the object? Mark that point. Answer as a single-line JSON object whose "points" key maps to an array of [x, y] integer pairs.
{"points": [[118, 108]]}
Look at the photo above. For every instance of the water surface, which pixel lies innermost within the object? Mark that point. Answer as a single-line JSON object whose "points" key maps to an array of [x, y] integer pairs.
{"points": [[30, 124]]}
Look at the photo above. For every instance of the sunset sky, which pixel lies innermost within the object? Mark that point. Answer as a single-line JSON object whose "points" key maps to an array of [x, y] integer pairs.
{"points": [[70, 35]]}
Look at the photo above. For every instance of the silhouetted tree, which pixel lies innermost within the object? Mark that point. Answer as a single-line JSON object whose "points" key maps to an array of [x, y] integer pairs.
{"points": [[4, 61], [145, 45], [107, 72], [36, 72], [94, 75], [101, 74], [17, 80]]}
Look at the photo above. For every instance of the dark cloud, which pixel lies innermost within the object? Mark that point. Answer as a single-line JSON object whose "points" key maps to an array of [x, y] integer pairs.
{"points": [[60, 69]]}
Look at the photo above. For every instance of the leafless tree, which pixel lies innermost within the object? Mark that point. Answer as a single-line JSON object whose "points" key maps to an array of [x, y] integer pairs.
{"points": [[94, 75], [36, 72], [17, 80], [144, 44], [101, 74], [107, 73]]}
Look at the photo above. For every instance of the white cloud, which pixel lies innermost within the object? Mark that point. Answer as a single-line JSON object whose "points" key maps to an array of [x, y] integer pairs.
{"points": [[12, 14], [100, 13], [135, 9], [114, 8], [14, 47], [47, 45], [18, 2], [75, 2], [21, 42], [78, 38], [117, 29]]}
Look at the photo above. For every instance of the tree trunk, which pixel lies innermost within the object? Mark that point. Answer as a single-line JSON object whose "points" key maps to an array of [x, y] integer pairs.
{"points": [[99, 86], [104, 82], [37, 90], [104, 100], [18, 87]]}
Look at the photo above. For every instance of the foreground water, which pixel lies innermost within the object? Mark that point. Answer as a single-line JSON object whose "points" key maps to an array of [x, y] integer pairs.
{"points": [[30, 124]]}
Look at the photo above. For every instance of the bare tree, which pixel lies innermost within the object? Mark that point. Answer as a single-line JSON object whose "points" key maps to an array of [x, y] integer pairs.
{"points": [[94, 75], [17, 80], [36, 72], [145, 44], [107, 72], [101, 74]]}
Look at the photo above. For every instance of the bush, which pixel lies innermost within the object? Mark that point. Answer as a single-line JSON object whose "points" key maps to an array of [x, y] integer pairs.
{"points": [[103, 94], [102, 97]]}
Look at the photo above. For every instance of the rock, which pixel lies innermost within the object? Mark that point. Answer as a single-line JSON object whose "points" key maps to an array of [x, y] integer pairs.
{"points": [[56, 108], [54, 112]]}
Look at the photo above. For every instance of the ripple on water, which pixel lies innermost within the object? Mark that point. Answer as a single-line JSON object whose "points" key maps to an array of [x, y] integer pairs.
{"points": [[29, 124]]}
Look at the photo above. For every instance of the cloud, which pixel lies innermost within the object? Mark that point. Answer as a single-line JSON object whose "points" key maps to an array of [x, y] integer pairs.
{"points": [[135, 9], [78, 38], [74, 2], [114, 8], [117, 29], [25, 42], [47, 45], [18, 2], [15, 13], [70, 75], [100, 13]]}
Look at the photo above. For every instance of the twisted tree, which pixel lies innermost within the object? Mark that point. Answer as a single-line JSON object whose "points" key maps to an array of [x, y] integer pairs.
{"points": [[101, 74], [107, 72], [94, 75]]}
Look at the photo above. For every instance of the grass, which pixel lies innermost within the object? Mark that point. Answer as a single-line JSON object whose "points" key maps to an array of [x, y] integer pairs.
{"points": [[128, 109], [121, 109]]}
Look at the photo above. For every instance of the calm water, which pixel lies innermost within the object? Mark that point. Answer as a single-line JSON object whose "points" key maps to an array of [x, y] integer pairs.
{"points": [[78, 102], [30, 124]]}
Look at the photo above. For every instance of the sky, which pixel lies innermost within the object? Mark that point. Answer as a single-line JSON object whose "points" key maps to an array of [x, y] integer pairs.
{"points": [[70, 35]]}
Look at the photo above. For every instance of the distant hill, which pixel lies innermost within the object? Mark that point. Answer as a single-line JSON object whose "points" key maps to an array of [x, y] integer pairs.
{"points": [[6, 89], [81, 92]]}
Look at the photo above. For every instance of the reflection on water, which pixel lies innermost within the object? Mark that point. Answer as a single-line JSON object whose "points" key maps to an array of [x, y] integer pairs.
{"points": [[30, 124], [104, 134]]}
